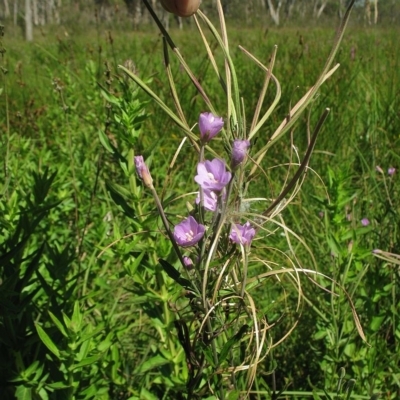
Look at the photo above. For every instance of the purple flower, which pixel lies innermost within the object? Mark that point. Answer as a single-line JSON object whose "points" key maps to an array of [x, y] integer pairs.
{"points": [[391, 171], [210, 200], [239, 152], [212, 175], [365, 222], [242, 234], [188, 262], [209, 125], [188, 232], [143, 171]]}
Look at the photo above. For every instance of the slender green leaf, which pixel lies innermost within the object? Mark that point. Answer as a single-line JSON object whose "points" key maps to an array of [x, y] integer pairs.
{"points": [[87, 361], [76, 319], [59, 324], [231, 342], [175, 275], [47, 341], [151, 363]]}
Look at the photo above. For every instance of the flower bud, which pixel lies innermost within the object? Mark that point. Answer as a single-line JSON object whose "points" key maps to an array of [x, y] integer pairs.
{"points": [[188, 263], [239, 152], [181, 8], [143, 171]]}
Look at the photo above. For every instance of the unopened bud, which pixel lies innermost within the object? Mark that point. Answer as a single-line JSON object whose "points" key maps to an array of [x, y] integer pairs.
{"points": [[239, 152], [143, 171]]}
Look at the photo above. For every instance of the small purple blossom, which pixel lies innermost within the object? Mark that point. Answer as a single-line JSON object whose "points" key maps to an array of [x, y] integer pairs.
{"points": [[212, 175], [365, 222], [321, 214], [239, 152], [210, 200], [391, 171], [188, 232], [209, 125], [143, 171], [242, 234], [188, 262]]}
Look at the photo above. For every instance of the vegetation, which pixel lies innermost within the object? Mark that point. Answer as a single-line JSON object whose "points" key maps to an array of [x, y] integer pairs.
{"points": [[88, 311]]}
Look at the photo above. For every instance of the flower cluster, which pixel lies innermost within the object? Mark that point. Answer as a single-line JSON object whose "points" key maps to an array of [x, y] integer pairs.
{"points": [[213, 178]]}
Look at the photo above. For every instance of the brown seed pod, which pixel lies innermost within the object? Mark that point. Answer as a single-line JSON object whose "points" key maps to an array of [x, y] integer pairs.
{"points": [[181, 8]]}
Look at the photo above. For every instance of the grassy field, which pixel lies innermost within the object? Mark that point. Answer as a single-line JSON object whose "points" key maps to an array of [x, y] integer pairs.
{"points": [[86, 309]]}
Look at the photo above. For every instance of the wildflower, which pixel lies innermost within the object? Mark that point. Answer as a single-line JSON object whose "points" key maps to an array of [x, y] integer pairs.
{"points": [[210, 200], [242, 234], [188, 232], [239, 152], [212, 175], [143, 171], [391, 171], [365, 222], [379, 169], [209, 125], [188, 262]]}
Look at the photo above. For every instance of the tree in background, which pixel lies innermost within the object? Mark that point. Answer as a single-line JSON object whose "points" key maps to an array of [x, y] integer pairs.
{"points": [[28, 21], [31, 13]]}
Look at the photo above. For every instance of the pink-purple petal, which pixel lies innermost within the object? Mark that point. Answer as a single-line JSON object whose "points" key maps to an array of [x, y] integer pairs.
{"points": [[242, 234], [209, 125], [188, 232], [212, 175]]}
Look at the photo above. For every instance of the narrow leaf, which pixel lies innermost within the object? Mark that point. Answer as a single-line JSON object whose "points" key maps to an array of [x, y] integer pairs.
{"points": [[152, 363], [231, 342], [175, 275], [47, 341], [59, 324], [87, 361]]}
